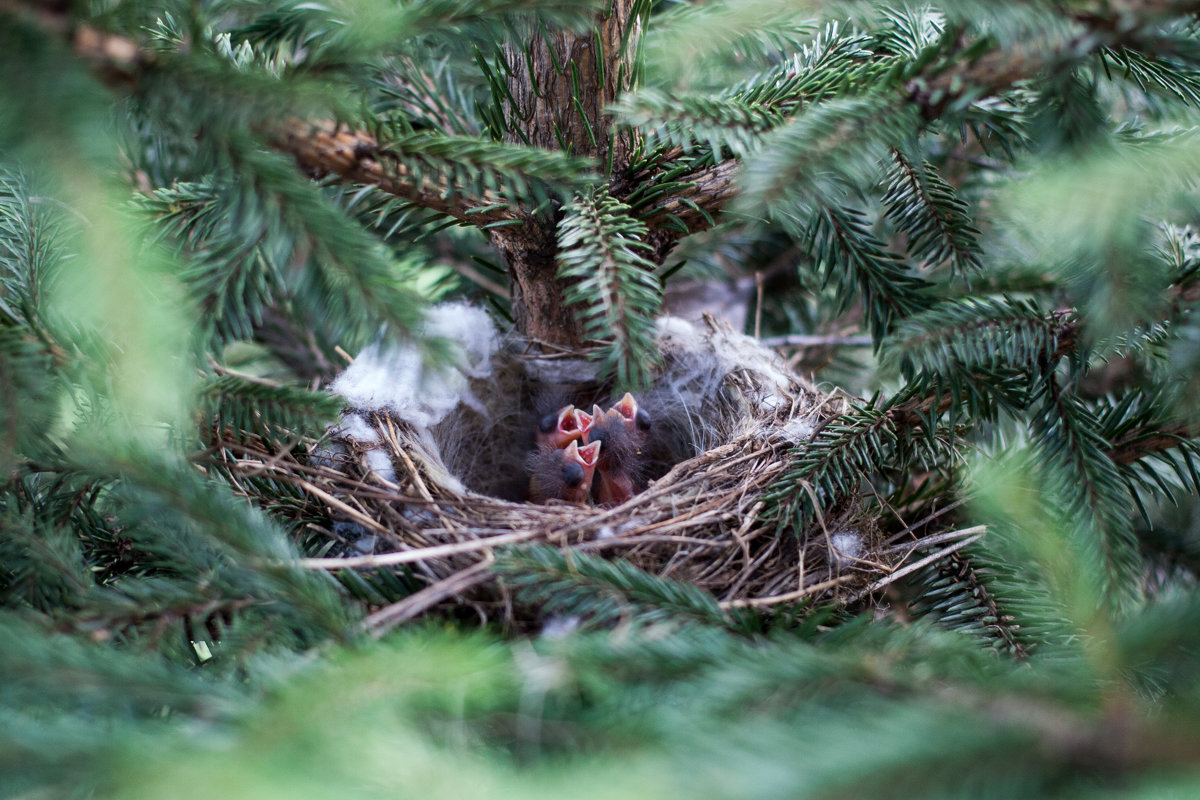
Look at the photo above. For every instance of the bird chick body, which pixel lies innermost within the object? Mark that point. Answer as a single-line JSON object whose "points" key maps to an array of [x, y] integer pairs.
{"points": [[563, 474], [619, 465]]}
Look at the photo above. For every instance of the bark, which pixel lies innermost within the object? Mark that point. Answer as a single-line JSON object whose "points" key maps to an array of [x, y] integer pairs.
{"points": [[537, 295], [693, 209], [560, 85]]}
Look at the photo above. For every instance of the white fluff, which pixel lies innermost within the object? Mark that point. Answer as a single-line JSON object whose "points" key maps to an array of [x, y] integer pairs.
{"points": [[712, 377], [731, 352], [380, 463], [472, 329], [676, 328], [560, 627], [395, 379], [797, 431], [356, 427], [846, 544]]}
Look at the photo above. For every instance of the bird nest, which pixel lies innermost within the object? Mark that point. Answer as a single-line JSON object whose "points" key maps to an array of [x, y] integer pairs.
{"points": [[436, 501]]}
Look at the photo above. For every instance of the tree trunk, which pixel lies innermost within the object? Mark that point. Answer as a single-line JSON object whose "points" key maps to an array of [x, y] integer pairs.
{"points": [[560, 87]]}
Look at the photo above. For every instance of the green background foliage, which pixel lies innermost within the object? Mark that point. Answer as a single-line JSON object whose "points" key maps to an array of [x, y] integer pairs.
{"points": [[996, 204]]}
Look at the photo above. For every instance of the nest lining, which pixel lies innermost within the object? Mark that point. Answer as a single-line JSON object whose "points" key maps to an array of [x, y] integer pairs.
{"points": [[438, 501]]}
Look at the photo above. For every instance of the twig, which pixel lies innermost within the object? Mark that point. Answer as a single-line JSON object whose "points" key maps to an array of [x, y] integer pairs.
{"points": [[758, 291], [755, 602], [487, 283], [900, 573], [389, 617], [927, 541], [419, 554], [926, 520], [242, 376], [341, 506], [801, 340]]}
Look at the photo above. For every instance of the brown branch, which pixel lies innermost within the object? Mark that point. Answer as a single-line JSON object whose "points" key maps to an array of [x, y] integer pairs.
{"points": [[692, 210], [709, 190], [116, 59], [1145, 440], [326, 148]]}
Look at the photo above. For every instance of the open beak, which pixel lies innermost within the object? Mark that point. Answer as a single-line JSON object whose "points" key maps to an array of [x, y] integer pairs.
{"points": [[627, 407], [564, 474], [579, 491], [583, 422], [588, 455], [556, 431], [637, 420], [597, 419]]}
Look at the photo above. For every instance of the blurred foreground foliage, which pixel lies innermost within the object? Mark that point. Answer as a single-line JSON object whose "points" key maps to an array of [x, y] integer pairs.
{"points": [[1000, 200]]}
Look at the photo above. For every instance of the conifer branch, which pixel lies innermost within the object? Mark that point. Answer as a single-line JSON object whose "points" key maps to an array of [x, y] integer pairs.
{"points": [[984, 69], [1134, 445], [356, 155], [974, 333], [927, 208], [612, 283], [956, 584], [699, 121], [256, 407], [425, 100], [324, 147], [605, 591], [847, 254]]}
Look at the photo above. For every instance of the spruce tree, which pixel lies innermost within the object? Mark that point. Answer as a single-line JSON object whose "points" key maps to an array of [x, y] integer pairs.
{"points": [[977, 218]]}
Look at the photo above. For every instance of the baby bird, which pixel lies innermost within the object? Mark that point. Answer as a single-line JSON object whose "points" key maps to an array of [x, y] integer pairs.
{"points": [[637, 419], [564, 474], [564, 426], [620, 458]]}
